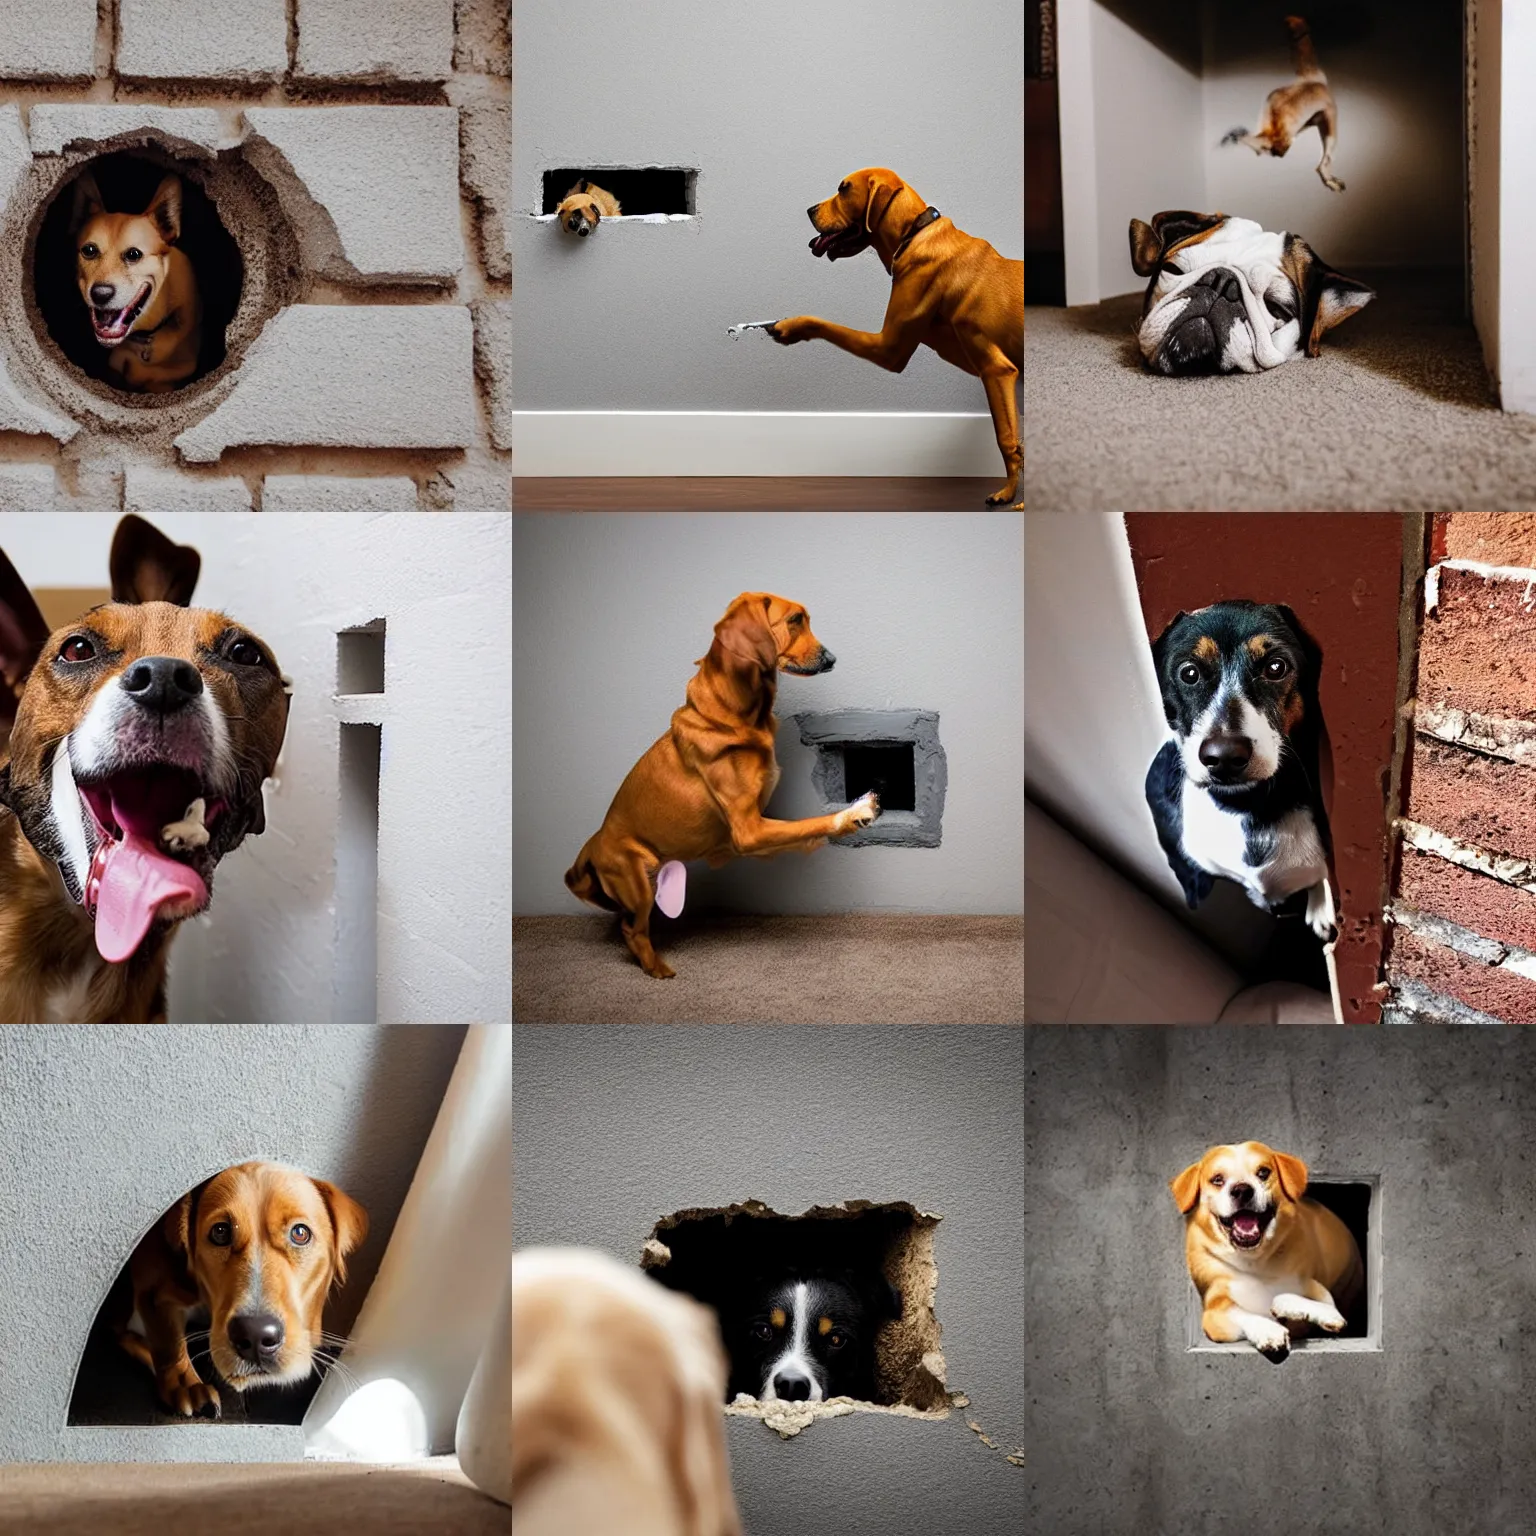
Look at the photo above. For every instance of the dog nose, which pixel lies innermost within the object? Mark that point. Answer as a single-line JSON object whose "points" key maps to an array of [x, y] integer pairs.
{"points": [[1226, 756], [256, 1335], [102, 294], [828, 660], [792, 1386], [163, 684], [1241, 1193], [810, 212]]}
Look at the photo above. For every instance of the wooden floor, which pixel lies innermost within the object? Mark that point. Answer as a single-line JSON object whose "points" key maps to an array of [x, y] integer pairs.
{"points": [[753, 493]]}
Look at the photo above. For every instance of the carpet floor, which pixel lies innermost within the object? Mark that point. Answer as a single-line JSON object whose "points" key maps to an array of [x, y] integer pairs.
{"points": [[1396, 415], [272, 1499], [773, 970]]}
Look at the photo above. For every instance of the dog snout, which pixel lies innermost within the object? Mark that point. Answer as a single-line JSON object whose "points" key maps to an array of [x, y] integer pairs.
{"points": [[256, 1336], [1226, 755], [162, 684], [102, 294], [825, 661], [792, 1386], [1241, 1194]]}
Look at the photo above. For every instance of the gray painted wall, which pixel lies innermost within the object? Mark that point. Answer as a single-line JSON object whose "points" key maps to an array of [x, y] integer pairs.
{"points": [[614, 1127], [774, 105], [611, 612], [1128, 1431], [103, 1127]]}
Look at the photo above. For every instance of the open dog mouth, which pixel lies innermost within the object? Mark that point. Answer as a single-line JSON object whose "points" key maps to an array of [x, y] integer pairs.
{"points": [[838, 243], [1247, 1228], [113, 325]]}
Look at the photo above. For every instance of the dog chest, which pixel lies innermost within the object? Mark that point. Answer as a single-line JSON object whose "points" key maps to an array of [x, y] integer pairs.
{"points": [[1222, 842]]}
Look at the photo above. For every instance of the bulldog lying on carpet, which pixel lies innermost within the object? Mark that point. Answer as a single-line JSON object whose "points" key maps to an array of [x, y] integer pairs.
{"points": [[1227, 296]]}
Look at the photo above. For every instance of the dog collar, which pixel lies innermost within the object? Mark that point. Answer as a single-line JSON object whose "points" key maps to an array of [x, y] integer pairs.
{"points": [[920, 223]]}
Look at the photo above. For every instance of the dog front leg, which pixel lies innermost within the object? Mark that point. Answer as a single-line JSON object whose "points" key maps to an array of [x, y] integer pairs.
{"points": [[1316, 1307], [890, 348], [1327, 131], [1224, 1323], [1003, 404], [181, 1390]]}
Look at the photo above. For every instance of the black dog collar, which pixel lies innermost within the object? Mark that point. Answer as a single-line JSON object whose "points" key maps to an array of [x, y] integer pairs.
{"points": [[920, 223]]}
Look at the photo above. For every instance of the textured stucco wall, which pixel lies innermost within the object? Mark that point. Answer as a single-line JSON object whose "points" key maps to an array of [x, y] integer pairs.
{"points": [[105, 1126], [773, 106], [612, 611], [1128, 1432], [614, 1127], [267, 948]]}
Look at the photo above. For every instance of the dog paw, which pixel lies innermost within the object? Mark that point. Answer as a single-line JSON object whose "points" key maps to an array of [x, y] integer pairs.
{"points": [[183, 1393], [1272, 1340], [1320, 913], [188, 833], [787, 332], [1333, 183], [1004, 498], [660, 970], [863, 811]]}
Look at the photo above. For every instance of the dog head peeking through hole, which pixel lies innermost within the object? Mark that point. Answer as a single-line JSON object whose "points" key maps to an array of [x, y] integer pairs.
{"points": [[584, 208]]}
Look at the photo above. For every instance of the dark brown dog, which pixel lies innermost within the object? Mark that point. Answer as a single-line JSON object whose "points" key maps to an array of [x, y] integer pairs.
{"points": [[949, 290], [699, 792]]}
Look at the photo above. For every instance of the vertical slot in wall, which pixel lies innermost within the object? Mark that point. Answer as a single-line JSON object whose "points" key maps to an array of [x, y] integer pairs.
{"points": [[357, 876]]}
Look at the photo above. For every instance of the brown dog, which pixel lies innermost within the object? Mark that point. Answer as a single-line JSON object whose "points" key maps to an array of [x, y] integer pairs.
{"points": [[138, 751], [141, 289], [258, 1247], [1305, 103], [584, 208], [699, 792], [949, 290]]}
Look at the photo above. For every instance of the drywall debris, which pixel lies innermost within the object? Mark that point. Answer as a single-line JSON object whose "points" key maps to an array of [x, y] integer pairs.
{"points": [[655, 1254]]}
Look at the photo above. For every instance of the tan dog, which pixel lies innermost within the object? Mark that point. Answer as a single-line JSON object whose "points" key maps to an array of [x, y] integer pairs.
{"points": [[1305, 103], [141, 289], [258, 1247], [584, 208], [617, 1386], [1268, 1264], [949, 290]]}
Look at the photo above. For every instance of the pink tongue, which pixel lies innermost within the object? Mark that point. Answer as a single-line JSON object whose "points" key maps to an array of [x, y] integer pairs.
{"points": [[135, 881], [671, 883]]}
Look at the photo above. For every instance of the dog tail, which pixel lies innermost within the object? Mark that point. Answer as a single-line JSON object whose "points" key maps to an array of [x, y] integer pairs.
{"points": [[581, 880], [1303, 54]]}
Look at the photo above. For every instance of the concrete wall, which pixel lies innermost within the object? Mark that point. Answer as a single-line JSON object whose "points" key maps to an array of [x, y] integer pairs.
{"points": [[773, 107], [661, 1119], [611, 613], [268, 949], [105, 1127], [1130, 1432]]}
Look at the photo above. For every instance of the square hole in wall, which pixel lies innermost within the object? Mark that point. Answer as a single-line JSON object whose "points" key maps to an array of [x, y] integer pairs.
{"points": [[639, 188], [896, 753], [1356, 1201], [869, 1325], [360, 658]]}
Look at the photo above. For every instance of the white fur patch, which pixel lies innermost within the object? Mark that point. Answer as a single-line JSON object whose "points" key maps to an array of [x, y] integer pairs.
{"points": [[797, 1357], [69, 814]]}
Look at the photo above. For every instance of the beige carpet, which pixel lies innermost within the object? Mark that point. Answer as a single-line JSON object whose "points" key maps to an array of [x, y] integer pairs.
{"points": [[773, 970], [306, 1499], [1396, 415]]}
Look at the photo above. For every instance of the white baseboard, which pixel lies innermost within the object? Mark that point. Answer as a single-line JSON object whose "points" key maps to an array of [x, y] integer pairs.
{"points": [[605, 443]]}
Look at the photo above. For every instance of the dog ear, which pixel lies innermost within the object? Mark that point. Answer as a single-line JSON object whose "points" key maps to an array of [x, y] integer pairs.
{"points": [[23, 632], [745, 633], [165, 208], [87, 201], [1338, 297], [176, 1225], [582, 186], [1186, 1188], [882, 193], [1312, 653], [349, 1221], [1152, 244], [1292, 1173], [1160, 645], [148, 568]]}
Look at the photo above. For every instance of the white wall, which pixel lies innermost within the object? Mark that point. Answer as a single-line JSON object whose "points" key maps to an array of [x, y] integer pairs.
{"points": [[613, 611], [265, 949], [1485, 110], [1517, 209]]}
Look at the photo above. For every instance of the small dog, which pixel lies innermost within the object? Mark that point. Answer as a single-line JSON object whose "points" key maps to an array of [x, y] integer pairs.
{"points": [[257, 1248], [1234, 791], [1268, 1264], [798, 1339], [141, 290], [584, 208], [138, 750], [1228, 296], [1305, 103]]}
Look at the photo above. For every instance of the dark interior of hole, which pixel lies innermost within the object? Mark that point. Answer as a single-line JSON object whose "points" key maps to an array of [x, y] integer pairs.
{"points": [[887, 767], [127, 184], [729, 1262], [667, 189], [1351, 1203]]}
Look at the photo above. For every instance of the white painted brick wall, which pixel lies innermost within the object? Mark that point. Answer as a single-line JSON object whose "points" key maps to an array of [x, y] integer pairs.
{"points": [[201, 39], [375, 39], [15, 152], [148, 491], [26, 487], [47, 39], [55, 126], [493, 361], [335, 493]]}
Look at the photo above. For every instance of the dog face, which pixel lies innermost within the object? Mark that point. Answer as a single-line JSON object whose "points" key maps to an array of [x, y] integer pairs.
{"points": [[1227, 296], [1244, 1196], [264, 1244], [772, 633], [856, 213], [122, 259], [1236, 679]]}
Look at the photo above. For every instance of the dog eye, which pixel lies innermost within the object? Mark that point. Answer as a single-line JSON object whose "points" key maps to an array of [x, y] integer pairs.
{"points": [[1276, 667], [1189, 673], [221, 1234], [1263, 1173], [245, 653], [133, 253], [762, 1331], [90, 250], [843, 186], [1280, 311], [1217, 1180], [299, 1234], [836, 1339], [77, 648]]}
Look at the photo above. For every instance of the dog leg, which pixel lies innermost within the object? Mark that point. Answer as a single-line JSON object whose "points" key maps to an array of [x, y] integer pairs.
{"points": [[891, 348], [1316, 1308], [1327, 130], [753, 835], [1003, 404], [1225, 1323], [1320, 913], [188, 833], [628, 881], [181, 1390]]}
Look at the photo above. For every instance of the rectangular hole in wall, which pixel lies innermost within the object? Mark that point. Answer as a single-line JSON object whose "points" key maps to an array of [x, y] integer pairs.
{"points": [[1357, 1203], [639, 189], [883, 766], [874, 1260], [357, 876], [360, 658]]}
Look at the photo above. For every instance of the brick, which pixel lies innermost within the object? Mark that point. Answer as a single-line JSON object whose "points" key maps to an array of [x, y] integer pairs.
{"points": [[19, 414], [147, 491], [482, 37], [1492, 989], [1473, 798], [388, 177], [1478, 648], [1495, 538], [485, 166], [375, 39], [471, 487], [48, 40], [56, 127], [361, 376], [493, 365], [27, 487], [15, 153], [1475, 901], [202, 39], [337, 493]]}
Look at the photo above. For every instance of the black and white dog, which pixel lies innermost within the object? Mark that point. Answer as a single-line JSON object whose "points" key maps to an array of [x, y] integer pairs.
{"points": [[1234, 791], [807, 1339]]}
